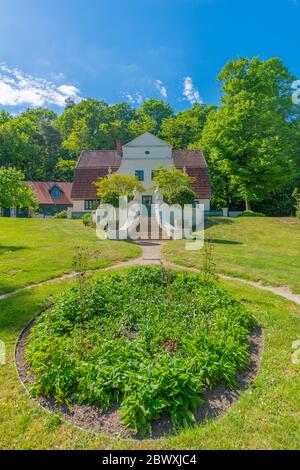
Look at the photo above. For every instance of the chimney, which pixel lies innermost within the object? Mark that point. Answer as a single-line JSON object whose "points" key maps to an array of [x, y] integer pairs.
{"points": [[119, 146]]}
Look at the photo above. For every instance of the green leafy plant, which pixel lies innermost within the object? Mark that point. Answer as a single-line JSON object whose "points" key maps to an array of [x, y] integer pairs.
{"points": [[87, 220], [150, 340], [251, 214], [61, 215]]}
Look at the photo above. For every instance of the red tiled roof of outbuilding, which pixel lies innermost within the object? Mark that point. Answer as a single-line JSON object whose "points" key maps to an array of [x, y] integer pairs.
{"points": [[41, 190]]}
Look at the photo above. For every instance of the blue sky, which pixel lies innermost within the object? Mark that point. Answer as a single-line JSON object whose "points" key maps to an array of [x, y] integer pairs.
{"points": [[135, 49]]}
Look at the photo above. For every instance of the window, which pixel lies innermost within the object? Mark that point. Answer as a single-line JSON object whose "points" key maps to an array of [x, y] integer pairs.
{"points": [[153, 174], [147, 152], [139, 174], [91, 204], [55, 193]]}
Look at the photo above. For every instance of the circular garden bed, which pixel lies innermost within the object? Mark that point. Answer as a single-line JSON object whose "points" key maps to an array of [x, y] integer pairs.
{"points": [[145, 351]]}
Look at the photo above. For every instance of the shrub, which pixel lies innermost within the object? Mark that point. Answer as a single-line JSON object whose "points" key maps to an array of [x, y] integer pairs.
{"points": [[182, 195], [251, 214], [281, 205], [61, 215], [87, 220], [150, 340], [111, 197]]}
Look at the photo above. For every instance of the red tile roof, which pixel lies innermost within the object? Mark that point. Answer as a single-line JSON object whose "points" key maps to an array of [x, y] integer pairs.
{"points": [[195, 165], [94, 164], [83, 187], [189, 158], [99, 159], [41, 190]]}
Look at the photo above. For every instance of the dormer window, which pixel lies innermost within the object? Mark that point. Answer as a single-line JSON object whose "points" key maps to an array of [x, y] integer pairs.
{"points": [[55, 193]]}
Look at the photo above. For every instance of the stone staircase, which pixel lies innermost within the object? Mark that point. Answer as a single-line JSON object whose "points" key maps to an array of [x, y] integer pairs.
{"points": [[153, 230]]}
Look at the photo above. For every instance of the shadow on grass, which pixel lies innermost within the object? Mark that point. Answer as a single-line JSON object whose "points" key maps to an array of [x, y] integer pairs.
{"points": [[8, 249], [211, 222], [225, 242]]}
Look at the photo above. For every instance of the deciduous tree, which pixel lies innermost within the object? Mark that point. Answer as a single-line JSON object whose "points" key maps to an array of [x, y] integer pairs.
{"points": [[13, 191], [248, 141]]}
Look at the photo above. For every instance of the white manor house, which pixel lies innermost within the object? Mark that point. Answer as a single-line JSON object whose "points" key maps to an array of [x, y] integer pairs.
{"points": [[139, 157]]}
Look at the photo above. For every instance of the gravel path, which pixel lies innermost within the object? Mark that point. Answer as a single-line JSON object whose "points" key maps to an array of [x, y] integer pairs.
{"points": [[151, 254]]}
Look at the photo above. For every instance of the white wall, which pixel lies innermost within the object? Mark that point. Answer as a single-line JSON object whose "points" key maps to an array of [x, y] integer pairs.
{"points": [[135, 158], [128, 167], [206, 203], [78, 206]]}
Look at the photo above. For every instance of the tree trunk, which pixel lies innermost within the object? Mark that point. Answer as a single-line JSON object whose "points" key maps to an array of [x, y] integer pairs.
{"points": [[248, 205]]}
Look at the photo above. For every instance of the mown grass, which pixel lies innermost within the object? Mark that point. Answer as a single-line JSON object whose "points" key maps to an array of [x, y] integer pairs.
{"points": [[33, 250], [259, 249], [266, 416]]}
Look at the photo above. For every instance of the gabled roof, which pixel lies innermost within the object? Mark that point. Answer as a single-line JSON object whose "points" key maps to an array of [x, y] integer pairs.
{"points": [[42, 190], [94, 165], [147, 139], [97, 163], [189, 159], [99, 159]]}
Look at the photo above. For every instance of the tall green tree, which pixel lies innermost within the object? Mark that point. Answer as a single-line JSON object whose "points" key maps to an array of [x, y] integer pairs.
{"points": [[185, 127], [30, 143], [140, 125], [4, 116], [19, 145], [249, 139], [13, 191], [64, 170], [157, 111]]}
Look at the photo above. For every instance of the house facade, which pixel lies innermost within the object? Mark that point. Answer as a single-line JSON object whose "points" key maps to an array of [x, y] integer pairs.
{"points": [[53, 197], [139, 157]]}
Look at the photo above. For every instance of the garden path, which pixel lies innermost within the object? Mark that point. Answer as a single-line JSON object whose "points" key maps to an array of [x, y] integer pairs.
{"points": [[151, 254]]}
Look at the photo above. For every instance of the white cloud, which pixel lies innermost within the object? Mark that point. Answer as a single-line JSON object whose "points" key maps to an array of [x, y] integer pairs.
{"points": [[135, 98], [161, 88], [190, 93], [18, 89], [68, 90]]}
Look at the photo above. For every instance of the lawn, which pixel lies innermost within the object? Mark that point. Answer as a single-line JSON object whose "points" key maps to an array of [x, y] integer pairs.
{"points": [[33, 250], [259, 249], [266, 416]]}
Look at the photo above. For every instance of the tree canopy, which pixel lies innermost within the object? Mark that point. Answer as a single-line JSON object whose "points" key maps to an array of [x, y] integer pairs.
{"points": [[171, 181], [13, 191], [251, 141], [118, 184]]}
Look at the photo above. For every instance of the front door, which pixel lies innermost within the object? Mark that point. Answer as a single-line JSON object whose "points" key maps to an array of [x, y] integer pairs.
{"points": [[147, 201]]}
